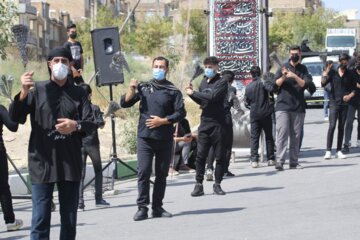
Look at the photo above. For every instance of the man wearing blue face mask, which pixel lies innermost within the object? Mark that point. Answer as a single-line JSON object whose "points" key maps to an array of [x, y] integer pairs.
{"points": [[161, 105], [210, 97], [60, 115]]}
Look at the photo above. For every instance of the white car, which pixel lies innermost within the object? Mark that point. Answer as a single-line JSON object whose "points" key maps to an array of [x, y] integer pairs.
{"points": [[315, 67]]}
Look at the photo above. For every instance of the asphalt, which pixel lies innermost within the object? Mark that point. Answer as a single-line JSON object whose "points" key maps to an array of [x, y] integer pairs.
{"points": [[321, 201]]}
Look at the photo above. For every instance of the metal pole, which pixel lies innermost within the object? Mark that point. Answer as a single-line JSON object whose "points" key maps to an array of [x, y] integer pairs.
{"points": [[128, 17], [265, 35]]}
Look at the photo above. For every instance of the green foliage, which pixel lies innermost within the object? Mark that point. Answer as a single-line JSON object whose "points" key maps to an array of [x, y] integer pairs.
{"points": [[8, 11], [291, 28], [198, 26]]}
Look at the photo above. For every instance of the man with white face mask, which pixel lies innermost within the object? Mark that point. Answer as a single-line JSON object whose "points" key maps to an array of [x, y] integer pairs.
{"points": [[161, 105], [60, 115]]}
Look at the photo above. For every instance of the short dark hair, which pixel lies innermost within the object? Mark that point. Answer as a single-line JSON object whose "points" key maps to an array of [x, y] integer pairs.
{"points": [[344, 56], [71, 25], [211, 60], [86, 87], [255, 71], [231, 73], [294, 47], [160, 58]]}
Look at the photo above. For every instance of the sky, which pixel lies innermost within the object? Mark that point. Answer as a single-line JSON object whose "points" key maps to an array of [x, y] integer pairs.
{"points": [[340, 5]]}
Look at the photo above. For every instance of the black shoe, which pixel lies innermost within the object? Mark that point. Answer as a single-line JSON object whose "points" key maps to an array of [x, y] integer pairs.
{"points": [[102, 203], [346, 149], [160, 212], [198, 190], [229, 174], [279, 166], [141, 214], [81, 206], [218, 190]]}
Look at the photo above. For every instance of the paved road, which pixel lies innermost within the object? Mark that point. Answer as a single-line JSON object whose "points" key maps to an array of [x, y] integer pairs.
{"points": [[321, 201]]}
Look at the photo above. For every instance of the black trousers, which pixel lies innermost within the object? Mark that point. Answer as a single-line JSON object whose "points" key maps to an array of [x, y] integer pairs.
{"points": [[208, 138], [5, 194], [146, 150], [93, 151], [337, 112], [350, 117], [227, 147], [256, 127]]}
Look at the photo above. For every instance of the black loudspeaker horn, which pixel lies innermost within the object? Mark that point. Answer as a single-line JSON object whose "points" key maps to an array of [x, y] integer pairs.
{"points": [[106, 45]]}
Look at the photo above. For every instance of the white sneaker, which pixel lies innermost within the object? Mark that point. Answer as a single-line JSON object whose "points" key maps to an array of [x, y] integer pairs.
{"points": [[15, 225], [327, 155], [340, 155], [209, 174], [358, 143], [254, 164], [326, 118]]}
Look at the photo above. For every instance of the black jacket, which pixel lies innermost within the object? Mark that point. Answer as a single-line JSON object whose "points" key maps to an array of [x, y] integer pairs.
{"points": [[290, 96], [257, 96], [54, 157], [161, 99]]}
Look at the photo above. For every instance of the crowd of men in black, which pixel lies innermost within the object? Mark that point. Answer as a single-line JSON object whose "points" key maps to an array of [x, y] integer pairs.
{"points": [[64, 126]]}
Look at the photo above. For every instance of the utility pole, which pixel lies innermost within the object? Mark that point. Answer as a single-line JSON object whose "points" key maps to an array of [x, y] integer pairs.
{"points": [[265, 35]]}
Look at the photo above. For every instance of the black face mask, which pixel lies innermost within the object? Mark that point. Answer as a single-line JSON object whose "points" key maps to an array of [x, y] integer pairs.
{"points": [[343, 66], [73, 35], [357, 67], [295, 58]]}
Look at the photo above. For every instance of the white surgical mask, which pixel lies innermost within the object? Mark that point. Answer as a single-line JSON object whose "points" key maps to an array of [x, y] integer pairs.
{"points": [[60, 71]]}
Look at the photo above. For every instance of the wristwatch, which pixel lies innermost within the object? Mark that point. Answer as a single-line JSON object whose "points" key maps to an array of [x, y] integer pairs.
{"points": [[78, 126]]}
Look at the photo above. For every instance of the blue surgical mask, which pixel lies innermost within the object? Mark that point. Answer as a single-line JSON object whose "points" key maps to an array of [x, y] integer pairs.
{"points": [[210, 73], [159, 74]]}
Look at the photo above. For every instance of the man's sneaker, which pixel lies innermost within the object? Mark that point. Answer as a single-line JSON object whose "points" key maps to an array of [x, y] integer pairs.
{"points": [[340, 155], [173, 172], [279, 166], [358, 143], [160, 212], [198, 190], [16, 225], [229, 174], [346, 149], [209, 174], [254, 164], [327, 155], [185, 169], [141, 214], [81, 206], [326, 118], [102, 203], [271, 163], [218, 190], [296, 166]]}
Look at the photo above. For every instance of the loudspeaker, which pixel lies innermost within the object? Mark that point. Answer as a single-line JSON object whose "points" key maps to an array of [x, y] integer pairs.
{"points": [[106, 44]]}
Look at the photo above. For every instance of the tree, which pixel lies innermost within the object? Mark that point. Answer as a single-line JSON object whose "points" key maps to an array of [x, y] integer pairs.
{"points": [[8, 11], [291, 28], [198, 26]]}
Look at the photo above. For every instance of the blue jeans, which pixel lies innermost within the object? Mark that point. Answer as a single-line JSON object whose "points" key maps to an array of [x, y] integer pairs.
{"points": [[41, 211]]}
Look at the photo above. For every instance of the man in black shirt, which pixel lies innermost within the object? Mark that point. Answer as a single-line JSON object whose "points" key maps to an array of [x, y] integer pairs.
{"points": [[60, 115], [210, 97], [291, 80], [342, 90], [76, 50], [91, 148], [161, 105], [261, 109]]}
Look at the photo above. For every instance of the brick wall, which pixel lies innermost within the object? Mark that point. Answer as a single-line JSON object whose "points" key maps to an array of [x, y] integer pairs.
{"points": [[76, 8]]}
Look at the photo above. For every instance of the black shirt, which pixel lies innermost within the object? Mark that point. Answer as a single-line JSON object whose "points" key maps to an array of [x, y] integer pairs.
{"points": [[54, 157], [290, 95], [164, 101], [340, 86], [5, 120], [211, 97], [93, 138], [257, 95], [76, 51]]}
